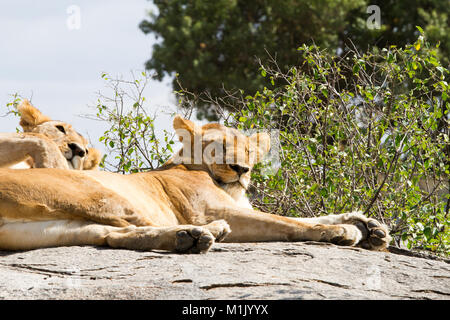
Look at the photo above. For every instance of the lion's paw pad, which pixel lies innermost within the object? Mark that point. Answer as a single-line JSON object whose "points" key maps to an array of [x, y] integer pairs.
{"points": [[375, 236], [193, 240]]}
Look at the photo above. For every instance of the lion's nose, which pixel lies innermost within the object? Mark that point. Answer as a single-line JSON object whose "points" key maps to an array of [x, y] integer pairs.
{"points": [[77, 150], [239, 169]]}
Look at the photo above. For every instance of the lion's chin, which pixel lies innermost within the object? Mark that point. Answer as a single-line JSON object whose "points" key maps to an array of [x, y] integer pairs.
{"points": [[76, 163], [244, 181]]}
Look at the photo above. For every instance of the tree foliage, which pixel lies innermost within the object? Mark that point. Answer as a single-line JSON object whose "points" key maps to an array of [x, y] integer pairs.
{"points": [[214, 45]]}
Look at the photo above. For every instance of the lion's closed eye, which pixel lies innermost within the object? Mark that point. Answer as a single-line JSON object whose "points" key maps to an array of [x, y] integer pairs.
{"points": [[61, 128]]}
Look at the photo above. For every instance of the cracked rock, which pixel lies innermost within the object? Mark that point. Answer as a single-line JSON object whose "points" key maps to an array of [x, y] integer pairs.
{"points": [[229, 271]]}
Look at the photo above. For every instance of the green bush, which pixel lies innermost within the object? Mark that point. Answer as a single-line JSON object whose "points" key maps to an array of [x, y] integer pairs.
{"points": [[131, 138]]}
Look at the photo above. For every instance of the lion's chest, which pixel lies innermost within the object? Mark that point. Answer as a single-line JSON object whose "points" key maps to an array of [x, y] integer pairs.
{"points": [[238, 194]]}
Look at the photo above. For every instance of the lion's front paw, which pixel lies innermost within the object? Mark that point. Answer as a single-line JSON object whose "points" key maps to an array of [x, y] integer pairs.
{"points": [[219, 228], [193, 240], [375, 235], [346, 235]]}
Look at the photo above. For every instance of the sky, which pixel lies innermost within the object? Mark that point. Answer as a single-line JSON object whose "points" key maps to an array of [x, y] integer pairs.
{"points": [[54, 52]]}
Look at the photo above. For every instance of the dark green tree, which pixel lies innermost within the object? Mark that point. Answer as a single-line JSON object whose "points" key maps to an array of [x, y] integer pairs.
{"points": [[399, 20], [215, 45]]}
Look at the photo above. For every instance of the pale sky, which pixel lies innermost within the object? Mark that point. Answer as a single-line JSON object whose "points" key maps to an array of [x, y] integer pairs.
{"points": [[60, 68]]}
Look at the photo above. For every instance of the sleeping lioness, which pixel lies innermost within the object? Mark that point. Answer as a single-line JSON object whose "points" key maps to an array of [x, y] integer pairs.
{"points": [[45, 143], [195, 199]]}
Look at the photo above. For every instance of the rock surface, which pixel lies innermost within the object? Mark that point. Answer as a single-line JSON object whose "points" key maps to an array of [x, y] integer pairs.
{"points": [[276, 270]]}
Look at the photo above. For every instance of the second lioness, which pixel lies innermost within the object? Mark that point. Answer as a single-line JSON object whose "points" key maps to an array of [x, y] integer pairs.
{"points": [[45, 143]]}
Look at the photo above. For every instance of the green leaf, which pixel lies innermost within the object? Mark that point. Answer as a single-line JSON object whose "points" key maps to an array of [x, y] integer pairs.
{"points": [[427, 233]]}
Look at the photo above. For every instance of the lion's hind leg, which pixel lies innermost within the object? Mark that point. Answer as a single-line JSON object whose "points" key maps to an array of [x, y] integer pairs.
{"points": [[56, 233], [52, 233]]}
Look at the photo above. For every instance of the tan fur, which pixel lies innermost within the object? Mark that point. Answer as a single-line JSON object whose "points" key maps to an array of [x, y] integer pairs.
{"points": [[183, 206], [30, 116], [45, 144]]}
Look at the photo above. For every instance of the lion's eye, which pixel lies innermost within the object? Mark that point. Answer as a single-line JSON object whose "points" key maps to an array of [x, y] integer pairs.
{"points": [[61, 128]]}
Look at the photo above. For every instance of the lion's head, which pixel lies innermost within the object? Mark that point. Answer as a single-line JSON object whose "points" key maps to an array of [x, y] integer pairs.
{"points": [[227, 154], [73, 145]]}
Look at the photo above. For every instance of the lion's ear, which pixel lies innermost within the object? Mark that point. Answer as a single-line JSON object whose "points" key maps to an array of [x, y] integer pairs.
{"points": [[260, 143], [30, 117], [93, 159], [185, 128]]}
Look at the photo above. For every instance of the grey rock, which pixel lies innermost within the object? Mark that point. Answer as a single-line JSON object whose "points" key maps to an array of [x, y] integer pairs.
{"points": [[276, 270]]}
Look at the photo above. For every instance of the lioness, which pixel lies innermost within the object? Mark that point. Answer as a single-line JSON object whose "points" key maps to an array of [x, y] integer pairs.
{"points": [[193, 200], [45, 143]]}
